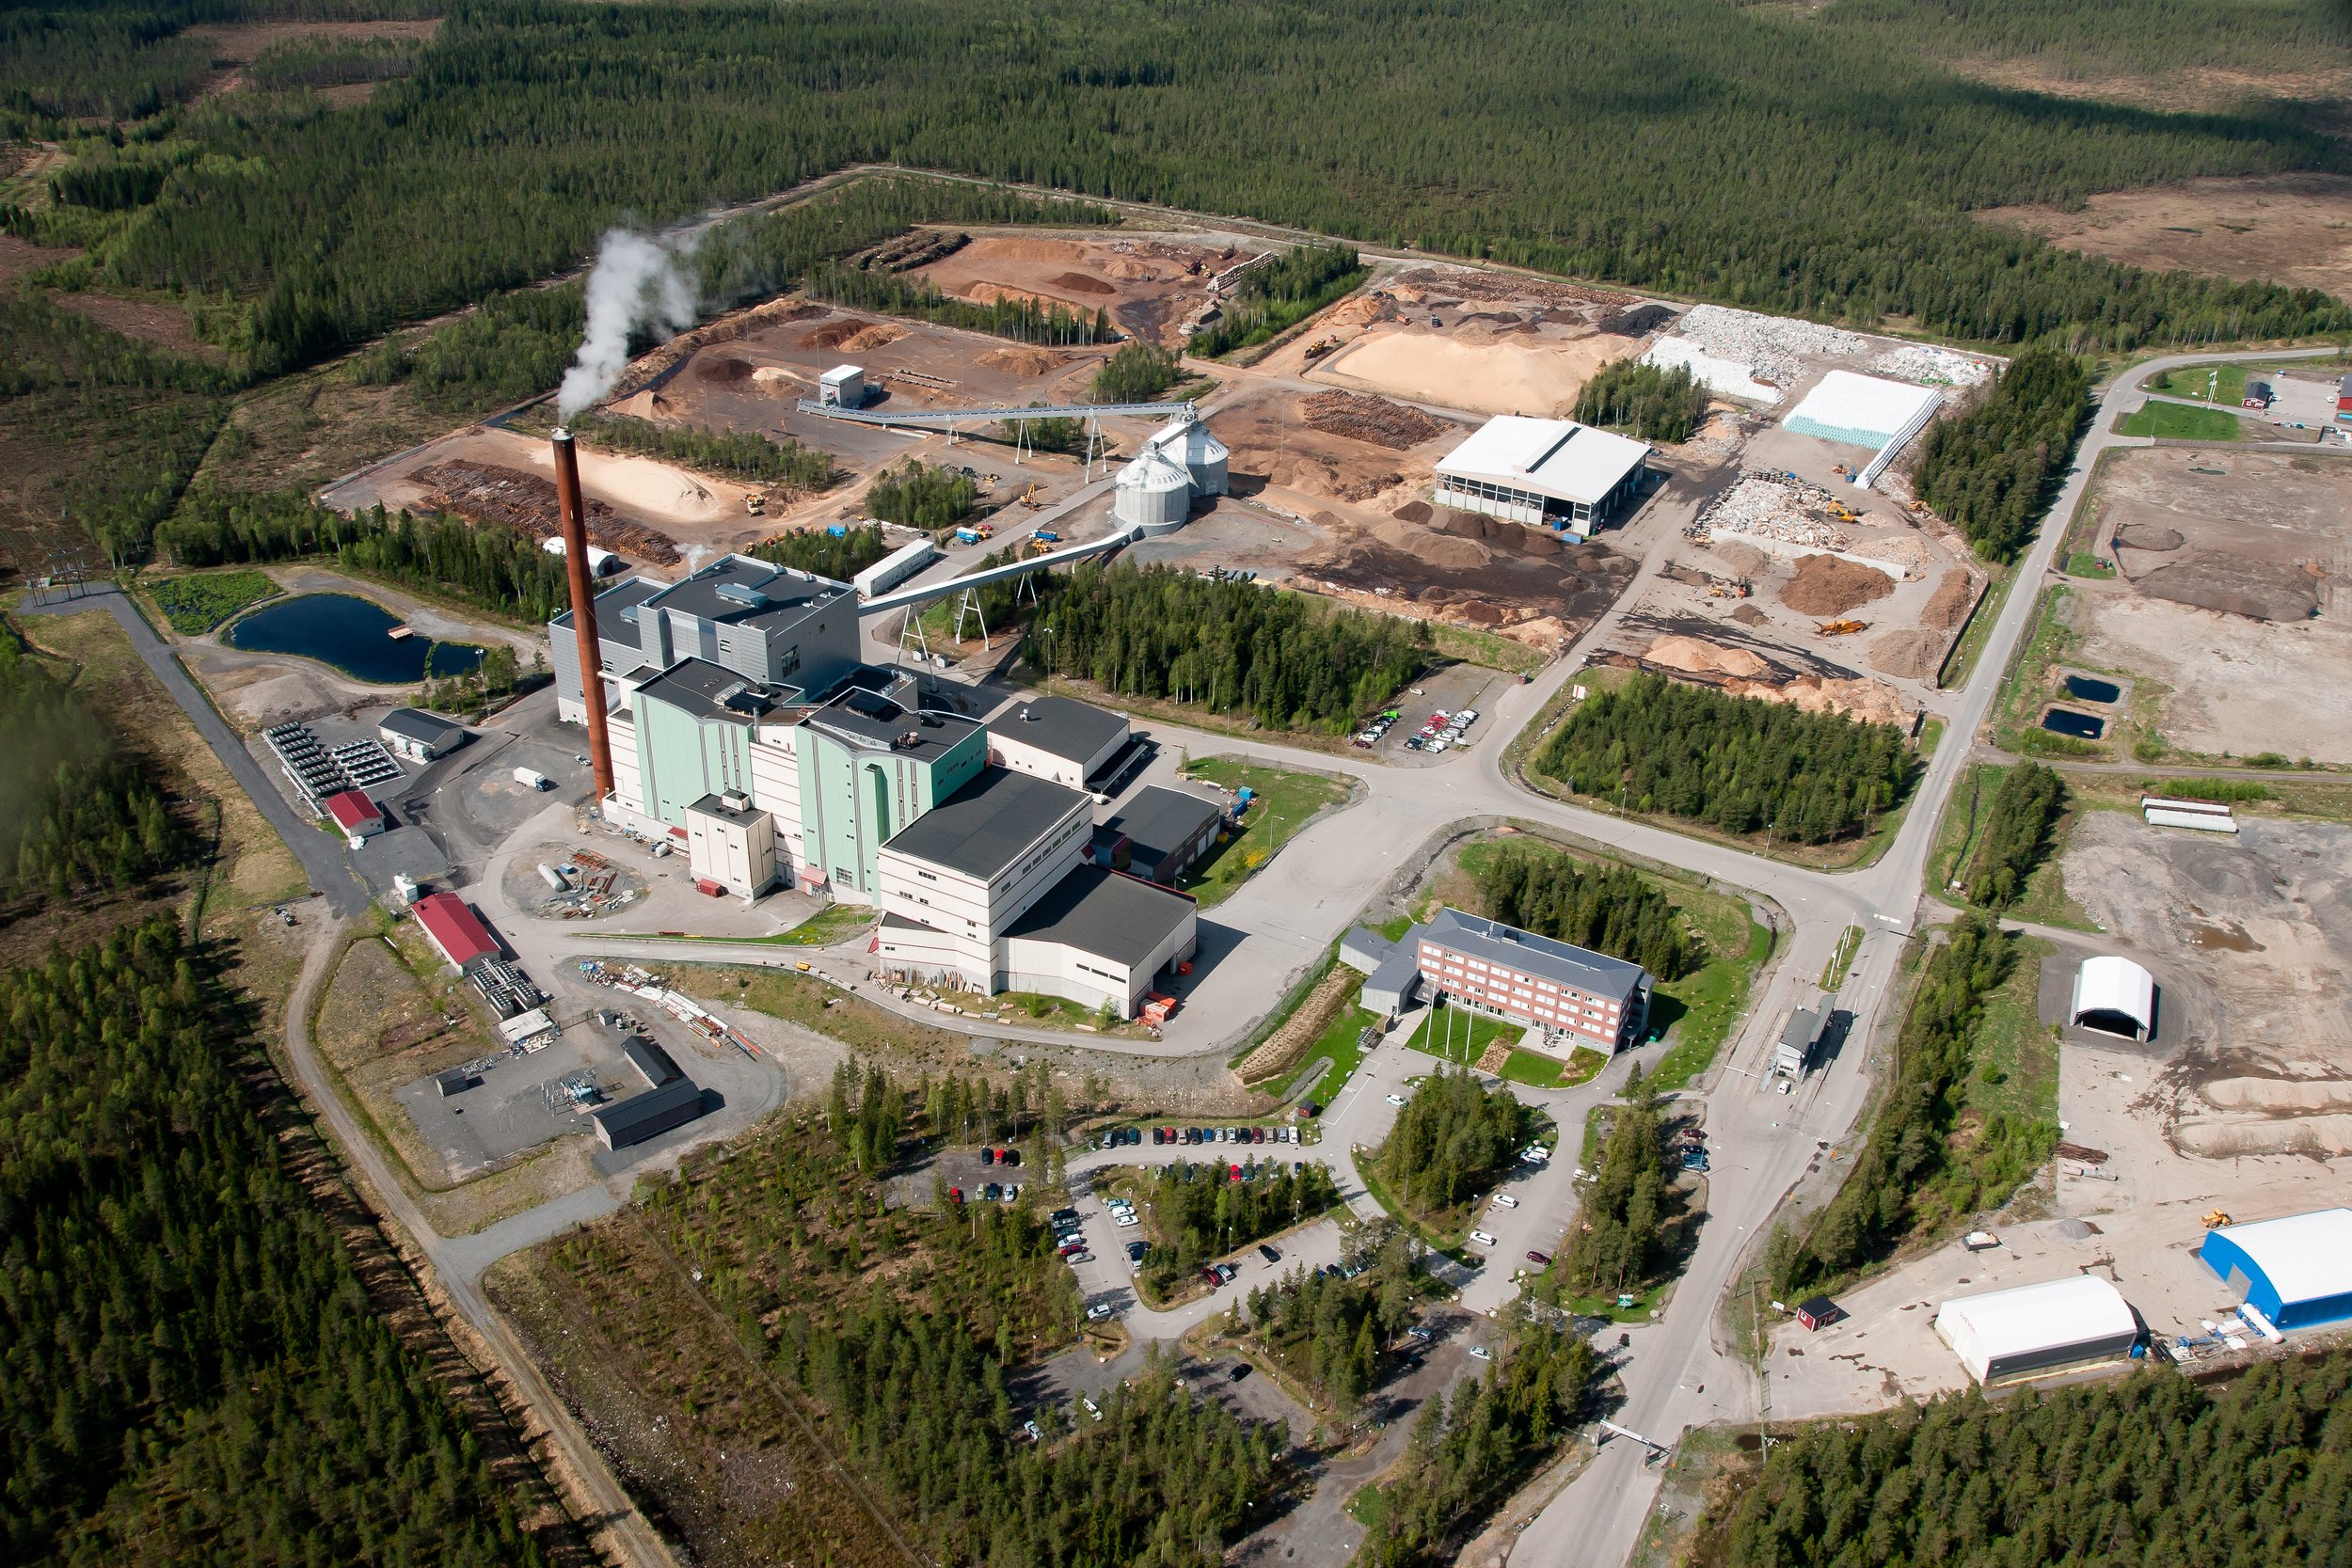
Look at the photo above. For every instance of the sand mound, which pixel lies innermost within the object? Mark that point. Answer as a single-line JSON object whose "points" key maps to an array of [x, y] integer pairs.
{"points": [[873, 336], [723, 369], [1487, 377], [1829, 585], [1948, 607], [1478, 612], [1023, 362], [1367, 418], [1080, 283], [2149, 536], [1914, 653], [1693, 656], [1748, 615], [1415, 512], [1744, 559], [1129, 270], [1874, 702]]}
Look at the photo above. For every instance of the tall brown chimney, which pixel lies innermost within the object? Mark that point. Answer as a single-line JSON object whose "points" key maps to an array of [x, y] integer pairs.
{"points": [[584, 607]]}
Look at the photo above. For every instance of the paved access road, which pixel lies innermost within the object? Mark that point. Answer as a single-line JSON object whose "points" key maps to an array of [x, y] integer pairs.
{"points": [[319, 854]]}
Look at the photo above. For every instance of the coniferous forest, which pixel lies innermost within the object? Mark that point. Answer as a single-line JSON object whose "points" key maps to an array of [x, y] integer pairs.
{"points": [[1609, 909], [1287, 660], [1740, 765], [2151, 1469]]}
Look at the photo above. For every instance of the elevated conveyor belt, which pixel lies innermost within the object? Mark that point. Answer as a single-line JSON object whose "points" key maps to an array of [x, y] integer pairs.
{"points": [[923, 594], [942, 419]]}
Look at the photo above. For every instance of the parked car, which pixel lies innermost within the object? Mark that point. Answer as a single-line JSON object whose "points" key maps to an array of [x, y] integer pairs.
{"points": [[1007, 1156], [1136, 1251], [1541, 1259], [1012, 1190], [1423, 1335], [1069, 1246], [1128, 1221], [1481, 1238], [1504, 1200], [1268, 1252], [1396, 1100], [1482, 1352], [1241, 1369], [988, 1155], [1073, 1259], [1158, 1138], [1099, 1311], [1226, 1272]]}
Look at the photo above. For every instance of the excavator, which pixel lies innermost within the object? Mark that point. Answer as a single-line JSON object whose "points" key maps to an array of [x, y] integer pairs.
{"points": [[1841, 628], [2216, 1220]]}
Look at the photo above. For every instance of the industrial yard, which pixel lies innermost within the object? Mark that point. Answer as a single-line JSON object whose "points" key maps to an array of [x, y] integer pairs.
{"points": [[1151, 285], [2229, 597]]}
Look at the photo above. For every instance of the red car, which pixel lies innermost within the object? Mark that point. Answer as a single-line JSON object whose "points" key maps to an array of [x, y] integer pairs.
{"points": [[1541, 1259]]}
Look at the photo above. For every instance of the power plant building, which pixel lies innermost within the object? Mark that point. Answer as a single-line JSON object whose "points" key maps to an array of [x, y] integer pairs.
{"points": [[1543, 473]]}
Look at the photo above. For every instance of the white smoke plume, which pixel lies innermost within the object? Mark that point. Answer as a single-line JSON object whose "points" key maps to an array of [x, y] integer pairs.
{"points": [[639, 281]]}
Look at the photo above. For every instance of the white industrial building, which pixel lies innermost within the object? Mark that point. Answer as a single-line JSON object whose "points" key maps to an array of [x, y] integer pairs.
{"points": [[1154, 491], [2034, 1330], [1543, 473], [2115, 996], [842, 386], [986, 891], [418, 736], [894, 568], [1053, 737]]}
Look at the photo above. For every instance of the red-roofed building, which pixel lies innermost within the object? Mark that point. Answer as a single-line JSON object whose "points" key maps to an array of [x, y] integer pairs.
{"points": [[355, 814], [455, 929]]}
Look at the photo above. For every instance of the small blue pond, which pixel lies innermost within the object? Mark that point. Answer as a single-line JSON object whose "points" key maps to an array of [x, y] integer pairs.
{"points": [[2091, 690], [351, 634], [2067, 722]]}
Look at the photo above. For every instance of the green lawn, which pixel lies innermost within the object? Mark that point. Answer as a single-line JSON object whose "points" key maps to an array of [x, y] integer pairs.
{"points": [[194, 605], [2044, 901], [1341, 1044], [2220, 383], [1833, 972], [1538, 1070], [2082, 564], [2016, 1059], [1284, 803], [2178, 422], [1931, 735], [1457, 1035], [1701, 1008]]}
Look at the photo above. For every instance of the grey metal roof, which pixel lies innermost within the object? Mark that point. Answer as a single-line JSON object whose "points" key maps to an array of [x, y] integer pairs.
{"points": [[1594, 974], [869, 719], [625, 594], [1057, 726], [416, 724], [989, 824], [1803, 1028], [625, 1121], [742, 588], [1119, 918], [1159, 820], [710, 691]]}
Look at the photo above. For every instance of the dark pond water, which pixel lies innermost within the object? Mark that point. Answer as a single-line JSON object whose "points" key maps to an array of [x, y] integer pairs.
{"points": [[350, 634], [2067, 722], [2091, 690]]}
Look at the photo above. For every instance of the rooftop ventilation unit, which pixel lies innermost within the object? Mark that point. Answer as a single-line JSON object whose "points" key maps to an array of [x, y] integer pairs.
{"points": [[751, 599]]}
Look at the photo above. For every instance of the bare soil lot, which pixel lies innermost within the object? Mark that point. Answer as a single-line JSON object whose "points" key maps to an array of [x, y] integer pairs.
{"points": [[2291, 229], [2251, 938], [2231, 594], [1488, 342], [1150, 283]]}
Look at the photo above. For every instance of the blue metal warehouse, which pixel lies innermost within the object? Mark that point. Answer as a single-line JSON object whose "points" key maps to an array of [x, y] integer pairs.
{"points": [[2296, 1271]]}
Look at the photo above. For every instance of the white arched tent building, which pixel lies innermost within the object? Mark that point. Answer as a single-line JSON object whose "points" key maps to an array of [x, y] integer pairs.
{"points": [[2035, 1330], [2115, 996]]}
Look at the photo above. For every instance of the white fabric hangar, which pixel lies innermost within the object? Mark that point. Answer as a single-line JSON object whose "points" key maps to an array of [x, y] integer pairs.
{"points": [[2115, 996], [2005, 1335]]}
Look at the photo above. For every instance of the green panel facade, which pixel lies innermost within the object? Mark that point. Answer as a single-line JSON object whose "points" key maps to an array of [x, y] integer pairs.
{"points": [[854, 800]]}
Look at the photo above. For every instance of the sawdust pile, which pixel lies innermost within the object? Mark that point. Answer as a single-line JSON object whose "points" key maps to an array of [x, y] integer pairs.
{"points": [[488, 493], [1080, 283], [1748, 615], [1444, 550], [1948, 607], [1874, 702], [769, 376], [1310, 474], [723, 369], [1369, 418], [1415, 512], [2149, 536], [1694, 657], [1023, 362], [1743, 559], [873, 336], [1914, 653], [649, 369], [1830, 585], [1497, 531]]}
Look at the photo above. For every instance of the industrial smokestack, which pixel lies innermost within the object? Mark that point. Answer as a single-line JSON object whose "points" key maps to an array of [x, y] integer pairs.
{"points": [[584, 606]]}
